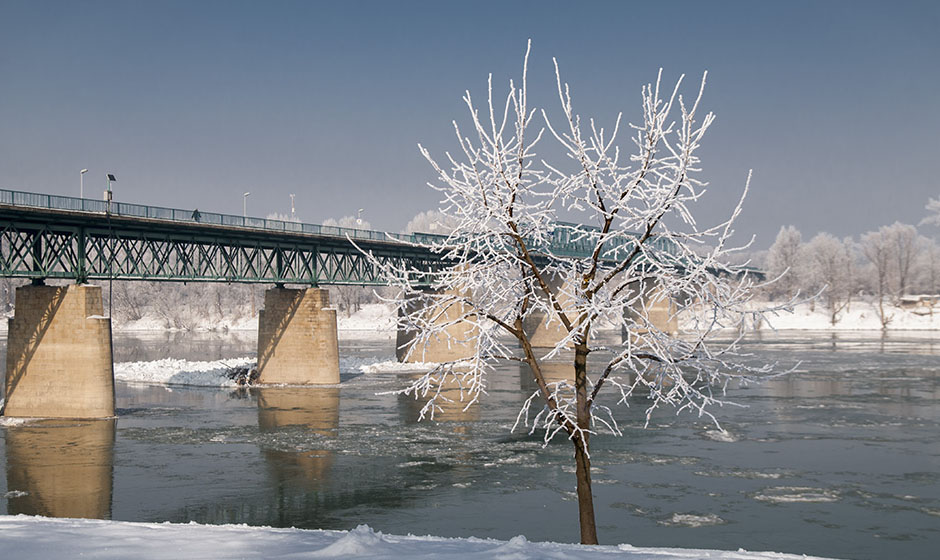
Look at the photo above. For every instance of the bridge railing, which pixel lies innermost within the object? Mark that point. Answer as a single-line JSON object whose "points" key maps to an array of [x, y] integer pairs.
{"points": [[568, 239], [58, 202]]}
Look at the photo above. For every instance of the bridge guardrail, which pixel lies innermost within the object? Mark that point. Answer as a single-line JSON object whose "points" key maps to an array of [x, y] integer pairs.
{"points": [[59, 202], [568, 240]]}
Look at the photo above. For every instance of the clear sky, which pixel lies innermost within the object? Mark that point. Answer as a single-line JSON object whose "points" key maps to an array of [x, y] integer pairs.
{"points": [[834, 104]]}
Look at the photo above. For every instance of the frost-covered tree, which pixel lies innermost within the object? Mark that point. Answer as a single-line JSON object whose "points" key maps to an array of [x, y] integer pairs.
{"points": [[432, 221], [903, 239], [830, 271], [640, 247], [877, 248], [929, 266], [784, 262], [933, 210], [283, 217], [852, 277], [348, 222]]}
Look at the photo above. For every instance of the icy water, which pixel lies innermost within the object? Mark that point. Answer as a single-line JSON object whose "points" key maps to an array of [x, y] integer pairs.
{"points": [[841, 459]]}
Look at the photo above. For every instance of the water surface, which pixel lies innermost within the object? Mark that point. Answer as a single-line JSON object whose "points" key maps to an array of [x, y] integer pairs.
{"points": [[839, 459]]}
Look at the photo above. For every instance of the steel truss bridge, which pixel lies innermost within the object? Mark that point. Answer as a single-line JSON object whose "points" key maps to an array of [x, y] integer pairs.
{"points": [[46, 236]]}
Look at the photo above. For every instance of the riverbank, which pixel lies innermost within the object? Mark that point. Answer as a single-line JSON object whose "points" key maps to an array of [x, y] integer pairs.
{"points": [[39, 538], [380, 320]]}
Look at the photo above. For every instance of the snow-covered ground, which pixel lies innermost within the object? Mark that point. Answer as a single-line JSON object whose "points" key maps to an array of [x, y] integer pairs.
{"points": [[378, 320], [35, 538], [860, 316]]}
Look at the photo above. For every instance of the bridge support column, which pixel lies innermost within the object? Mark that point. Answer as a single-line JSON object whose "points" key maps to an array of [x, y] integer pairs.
{"points": [[59, 354], [658, 309], [546, 330], [297, 342], [459, 345]]}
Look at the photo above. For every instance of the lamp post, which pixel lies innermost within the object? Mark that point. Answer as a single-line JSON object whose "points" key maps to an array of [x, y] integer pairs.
{"points": [[107, 194], [292, 208], [245, 205], [359, 218], [81, 175]]}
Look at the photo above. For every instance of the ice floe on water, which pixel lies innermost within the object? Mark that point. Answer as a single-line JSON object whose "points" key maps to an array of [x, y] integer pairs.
{"points": [[8, 421], [391, 366], [740, 474], [171, 371], [218, 373], [691, 520], [793, 494], [719, 435]]}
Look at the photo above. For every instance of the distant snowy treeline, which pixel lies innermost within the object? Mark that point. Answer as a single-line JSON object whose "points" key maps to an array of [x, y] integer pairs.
{"points": [[885, 267]]}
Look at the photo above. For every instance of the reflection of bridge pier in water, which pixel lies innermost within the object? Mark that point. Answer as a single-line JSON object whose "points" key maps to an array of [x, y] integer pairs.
{"points": [[65, 468], [315, 410], [450, 408]]}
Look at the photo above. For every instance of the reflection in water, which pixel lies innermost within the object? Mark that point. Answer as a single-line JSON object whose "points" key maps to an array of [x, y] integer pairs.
{"points": [[313, 409], [61, 468], [451, 406], [553, 372]]}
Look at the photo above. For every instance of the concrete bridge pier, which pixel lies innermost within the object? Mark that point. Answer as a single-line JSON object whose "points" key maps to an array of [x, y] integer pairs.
{"points": [[545, 330], [658, 309], [459, 345], [59, 361], [297, 341]]}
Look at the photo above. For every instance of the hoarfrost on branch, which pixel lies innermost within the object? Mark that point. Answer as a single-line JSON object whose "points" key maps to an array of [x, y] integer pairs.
{"points": [[599, 237]]}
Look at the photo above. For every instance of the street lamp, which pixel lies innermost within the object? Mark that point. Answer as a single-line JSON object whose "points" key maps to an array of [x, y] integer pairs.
{"points": [[292, 208], [245, 205], [107, 194], [359, 218], [81, 174]]}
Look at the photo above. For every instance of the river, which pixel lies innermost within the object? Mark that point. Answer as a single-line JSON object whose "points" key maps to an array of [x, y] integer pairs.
{"points": [[840, 458]]}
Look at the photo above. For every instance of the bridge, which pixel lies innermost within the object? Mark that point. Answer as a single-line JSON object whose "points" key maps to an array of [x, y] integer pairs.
{"points": [[59, 343], [59, 237], [44, 236]]}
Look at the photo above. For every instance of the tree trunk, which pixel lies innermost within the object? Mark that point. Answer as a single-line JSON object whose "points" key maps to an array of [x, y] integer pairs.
{"points": [[581, 459], [585, 498]]}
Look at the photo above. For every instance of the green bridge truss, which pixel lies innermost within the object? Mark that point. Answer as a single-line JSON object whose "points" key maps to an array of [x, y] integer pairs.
{"points": [[50, 236]]}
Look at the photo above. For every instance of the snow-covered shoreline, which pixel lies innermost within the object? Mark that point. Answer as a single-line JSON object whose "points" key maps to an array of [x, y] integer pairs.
{"points": [[377, 320], [860, 316], [33, 538]]}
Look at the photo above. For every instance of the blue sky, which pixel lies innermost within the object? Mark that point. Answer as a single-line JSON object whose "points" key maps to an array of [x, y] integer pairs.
{"points": [[832, 103]]}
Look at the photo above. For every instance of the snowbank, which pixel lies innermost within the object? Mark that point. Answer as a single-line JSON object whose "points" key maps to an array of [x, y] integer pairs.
{"points": [[34, 538], [861, 316], [215, 374], [371, 317]]}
